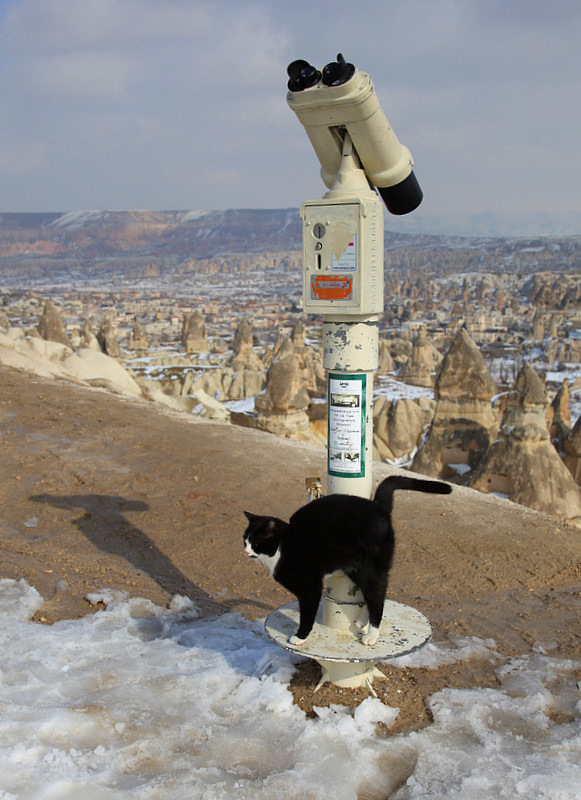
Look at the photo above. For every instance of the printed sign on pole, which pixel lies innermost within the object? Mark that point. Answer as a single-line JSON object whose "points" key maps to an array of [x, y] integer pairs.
{"points": [[346, 434]]}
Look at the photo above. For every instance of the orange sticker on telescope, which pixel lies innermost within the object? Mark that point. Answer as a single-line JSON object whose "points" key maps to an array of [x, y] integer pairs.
{"points": [[331, 287]]}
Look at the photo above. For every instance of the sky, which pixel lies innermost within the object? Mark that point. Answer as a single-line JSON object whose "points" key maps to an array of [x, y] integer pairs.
{"points": [[181, 104]]}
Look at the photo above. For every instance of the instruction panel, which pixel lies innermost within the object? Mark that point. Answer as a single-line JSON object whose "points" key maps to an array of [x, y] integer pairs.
{"points": [[346, 442]]}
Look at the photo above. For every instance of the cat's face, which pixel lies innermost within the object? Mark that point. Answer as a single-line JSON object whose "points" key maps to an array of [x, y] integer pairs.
{"points": [[261, 537]]}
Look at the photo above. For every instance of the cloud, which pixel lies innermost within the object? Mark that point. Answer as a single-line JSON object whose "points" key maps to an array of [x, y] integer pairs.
{"points": [[83, 74], [141, 103], [54, 26], [22, 157]]}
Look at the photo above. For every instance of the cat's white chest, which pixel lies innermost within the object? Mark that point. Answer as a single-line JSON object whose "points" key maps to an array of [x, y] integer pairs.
{"points": [[270, 562]]}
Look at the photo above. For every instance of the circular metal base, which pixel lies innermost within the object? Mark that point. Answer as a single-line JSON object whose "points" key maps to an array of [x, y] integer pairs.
{"points": [[403, 629]]}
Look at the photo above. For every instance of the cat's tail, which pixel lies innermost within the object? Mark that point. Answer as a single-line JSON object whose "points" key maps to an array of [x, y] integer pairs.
{"points": [[385, 490]]}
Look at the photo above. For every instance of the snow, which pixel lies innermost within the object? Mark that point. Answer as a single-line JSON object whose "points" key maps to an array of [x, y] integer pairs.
{"points": [[461, 469], [150, 703], [76, 219], [393, 389], [193, 214], [245, 406]]}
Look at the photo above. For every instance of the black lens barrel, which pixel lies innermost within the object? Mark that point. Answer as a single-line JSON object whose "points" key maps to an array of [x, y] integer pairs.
{"points": [[403, 197]]}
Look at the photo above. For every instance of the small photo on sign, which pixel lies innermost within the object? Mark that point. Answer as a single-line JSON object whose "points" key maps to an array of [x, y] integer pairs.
{"points": [[350, 400]]}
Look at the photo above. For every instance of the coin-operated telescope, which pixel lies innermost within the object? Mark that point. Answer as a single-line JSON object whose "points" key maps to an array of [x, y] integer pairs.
{"points": [[359, 153], [362, 164], [339, 100]]}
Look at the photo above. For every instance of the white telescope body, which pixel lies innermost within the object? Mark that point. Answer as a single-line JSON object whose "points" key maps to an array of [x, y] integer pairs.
{"points": [[340, 99]]}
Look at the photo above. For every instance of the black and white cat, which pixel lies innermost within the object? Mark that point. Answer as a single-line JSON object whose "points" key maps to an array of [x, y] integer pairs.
{"points": [[337, 532]]}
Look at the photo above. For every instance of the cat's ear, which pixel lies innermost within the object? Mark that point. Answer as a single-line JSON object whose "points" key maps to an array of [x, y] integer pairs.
{"points": [[271, 528], [251, 517]]}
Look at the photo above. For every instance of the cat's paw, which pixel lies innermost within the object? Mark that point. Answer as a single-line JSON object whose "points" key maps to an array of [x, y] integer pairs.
{"points": [[295, 640], [371, 637]]}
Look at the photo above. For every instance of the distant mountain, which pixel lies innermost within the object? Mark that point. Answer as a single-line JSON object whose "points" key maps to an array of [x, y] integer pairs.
{"points": [[80, 243], [489, 224], [34, 245], [199, 234]]}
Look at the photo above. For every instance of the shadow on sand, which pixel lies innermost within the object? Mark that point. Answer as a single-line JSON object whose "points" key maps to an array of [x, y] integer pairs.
{"points": [[103, 522]]}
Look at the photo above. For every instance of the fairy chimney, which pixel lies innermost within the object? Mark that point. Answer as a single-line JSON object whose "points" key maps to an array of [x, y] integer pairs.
{"points": [[137, 338], [539, 325], [572, 451], [399, 425], [298, 335], [89, 337], [270, 355], [420, 369], [559, 416], [464, 422], [522, 464], [51, 326], [282, 407], [244, 357], [194, 337], [385, 360], [108, 340]]}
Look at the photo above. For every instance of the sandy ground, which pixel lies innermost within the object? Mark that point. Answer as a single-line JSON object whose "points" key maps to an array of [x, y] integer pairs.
{"points": [[100, 491]]}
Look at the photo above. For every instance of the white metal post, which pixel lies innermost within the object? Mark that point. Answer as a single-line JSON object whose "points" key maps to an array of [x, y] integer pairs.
{"points": [[343, 282]]}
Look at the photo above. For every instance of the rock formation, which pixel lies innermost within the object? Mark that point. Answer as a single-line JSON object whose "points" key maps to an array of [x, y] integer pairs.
{"points": [[572, 450], [464, 423], [137, 338], [312, 374], [394, 353], [298, 335], [539, 325], [522, 463], [559, 416], [420, 369], [194, 337], [269, 355], [108, 339], [569, 351], [244, 357], [89, 337], [241, 385], [51, 326], [399, 426], [385, 360], [53, 359], [76, 338], [282, 408]]}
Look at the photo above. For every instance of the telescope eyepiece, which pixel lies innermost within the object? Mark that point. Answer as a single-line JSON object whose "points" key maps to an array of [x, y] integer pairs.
{"points": [[302, 75], [337, 72]]}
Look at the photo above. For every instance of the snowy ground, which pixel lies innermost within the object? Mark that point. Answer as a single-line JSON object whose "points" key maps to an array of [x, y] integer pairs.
{"points": [[154, 704]]}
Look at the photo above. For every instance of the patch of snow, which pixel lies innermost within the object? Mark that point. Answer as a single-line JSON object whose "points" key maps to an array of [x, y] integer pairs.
{"points": [[143, 702]]}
